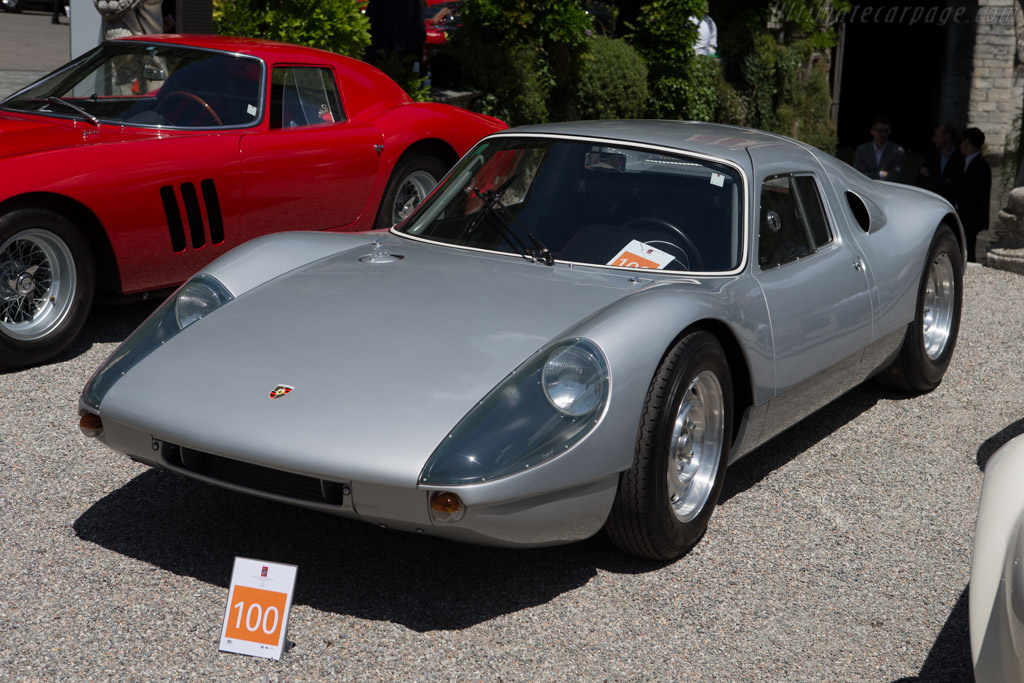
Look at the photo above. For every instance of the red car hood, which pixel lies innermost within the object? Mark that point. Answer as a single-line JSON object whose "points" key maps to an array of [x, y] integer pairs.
{"points": [[29, 135]]}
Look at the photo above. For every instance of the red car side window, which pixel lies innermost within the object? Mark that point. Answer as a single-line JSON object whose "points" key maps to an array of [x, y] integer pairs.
{"points": [[303, 96]]}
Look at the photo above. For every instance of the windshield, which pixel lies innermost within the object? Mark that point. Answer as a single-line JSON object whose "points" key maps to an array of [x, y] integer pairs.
{"points": [[127, 82], [589, 202]]}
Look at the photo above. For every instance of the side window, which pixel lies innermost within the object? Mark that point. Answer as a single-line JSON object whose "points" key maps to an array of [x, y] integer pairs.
{"points": [[303, 96], [793, 223], [813, 209]]}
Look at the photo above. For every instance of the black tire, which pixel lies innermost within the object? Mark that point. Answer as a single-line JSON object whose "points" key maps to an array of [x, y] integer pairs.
{"points": [[12, 5], [646, 520], [47, 278], [408, 186], [930, 340]]}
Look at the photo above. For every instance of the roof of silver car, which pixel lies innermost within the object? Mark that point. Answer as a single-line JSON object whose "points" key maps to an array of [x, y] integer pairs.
{"points": [[713, 139]]}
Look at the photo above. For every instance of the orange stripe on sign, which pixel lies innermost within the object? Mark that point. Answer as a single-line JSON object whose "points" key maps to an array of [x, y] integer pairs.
{"points": [[630, 260]]}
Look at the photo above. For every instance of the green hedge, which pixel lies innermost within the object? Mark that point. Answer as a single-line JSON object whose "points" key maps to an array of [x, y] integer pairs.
{"points": [[335, 25], [613, 82]]}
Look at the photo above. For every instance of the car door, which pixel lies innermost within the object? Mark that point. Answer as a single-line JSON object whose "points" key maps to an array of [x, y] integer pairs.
{"points": [[169, 204], [815, 288], [310, 168]]}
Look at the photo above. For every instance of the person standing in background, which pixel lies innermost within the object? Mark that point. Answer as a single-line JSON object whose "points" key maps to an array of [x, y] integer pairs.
{"points": [[943, 165], [123, 18], [397, 26], [881, 158], [707, 36], [975, 188]]}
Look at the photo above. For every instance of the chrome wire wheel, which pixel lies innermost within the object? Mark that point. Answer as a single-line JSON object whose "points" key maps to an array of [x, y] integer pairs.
{"points": [[939, 306], [696, 446], [37, 284], [413, 190]]}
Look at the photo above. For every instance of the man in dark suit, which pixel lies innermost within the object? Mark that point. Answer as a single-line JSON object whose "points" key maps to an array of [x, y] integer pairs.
{"points": [[943, 165], [975, 188], [881, 158]]}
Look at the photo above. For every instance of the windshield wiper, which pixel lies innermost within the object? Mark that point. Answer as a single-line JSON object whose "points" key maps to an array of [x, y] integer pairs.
{"points": [[70, 105], [493, 206]]}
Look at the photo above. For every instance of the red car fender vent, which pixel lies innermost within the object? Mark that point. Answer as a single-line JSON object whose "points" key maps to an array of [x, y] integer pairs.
{"points": [[197, 226]]}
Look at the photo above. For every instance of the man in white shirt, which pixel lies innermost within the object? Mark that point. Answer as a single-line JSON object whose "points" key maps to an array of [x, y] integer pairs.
{"points": [[707, 36]]}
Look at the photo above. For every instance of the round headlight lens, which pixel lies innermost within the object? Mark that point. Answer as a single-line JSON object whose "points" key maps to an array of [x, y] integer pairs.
{"points": [[195, 300], [573, 381]]}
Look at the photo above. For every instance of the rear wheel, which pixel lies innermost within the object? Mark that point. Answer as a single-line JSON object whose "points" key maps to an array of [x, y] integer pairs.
{"points": [[666, 498], [930, 339], [411, 182], [47, 279], [12, 5]]}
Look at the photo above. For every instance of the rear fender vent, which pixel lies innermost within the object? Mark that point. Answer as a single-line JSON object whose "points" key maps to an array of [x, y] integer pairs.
{"points": [[254, 478], [199, 231]]}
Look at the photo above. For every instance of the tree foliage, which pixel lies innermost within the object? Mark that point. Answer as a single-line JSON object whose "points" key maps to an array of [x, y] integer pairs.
{"points": [[335, 25], [613, 81], [681, 85], [550, 37]]}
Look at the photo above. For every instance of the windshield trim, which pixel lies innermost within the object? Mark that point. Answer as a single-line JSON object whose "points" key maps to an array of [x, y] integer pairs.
{"points": [[84, 57], [676, 151]]}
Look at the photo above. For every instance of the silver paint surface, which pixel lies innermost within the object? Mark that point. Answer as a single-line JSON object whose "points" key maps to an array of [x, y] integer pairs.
{"points": [[386, 358]]}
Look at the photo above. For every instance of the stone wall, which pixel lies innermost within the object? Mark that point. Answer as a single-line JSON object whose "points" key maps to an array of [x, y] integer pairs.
{"points": [[997, 75]]}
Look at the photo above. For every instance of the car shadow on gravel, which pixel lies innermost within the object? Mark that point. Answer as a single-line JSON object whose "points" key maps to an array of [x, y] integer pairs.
{"points": [[107, 324], [345, 567], [349, 567], [949, 659], [992, 444], [768, 457]]}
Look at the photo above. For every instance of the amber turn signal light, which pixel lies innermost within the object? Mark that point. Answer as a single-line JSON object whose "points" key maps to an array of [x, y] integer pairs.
{"points": [[91, 425], [446, 507]]}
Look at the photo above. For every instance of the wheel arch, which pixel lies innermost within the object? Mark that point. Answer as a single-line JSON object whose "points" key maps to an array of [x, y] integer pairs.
{"points": [[108, 277], [742, 390], [953, 221], [434, 147]]}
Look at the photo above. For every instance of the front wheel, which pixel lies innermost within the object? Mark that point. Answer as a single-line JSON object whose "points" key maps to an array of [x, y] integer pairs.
{"points": [[12, 5], [410, 183], [930, 339], [47, 279], [666, 498]]}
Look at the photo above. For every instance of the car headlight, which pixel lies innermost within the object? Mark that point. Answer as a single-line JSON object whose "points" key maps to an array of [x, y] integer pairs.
{"points": [[196, 298], [538, 412], [572, 380]]}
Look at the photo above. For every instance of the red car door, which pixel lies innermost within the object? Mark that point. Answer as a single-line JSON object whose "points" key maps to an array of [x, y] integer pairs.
{"points": [[169, 205], [310, 169]]}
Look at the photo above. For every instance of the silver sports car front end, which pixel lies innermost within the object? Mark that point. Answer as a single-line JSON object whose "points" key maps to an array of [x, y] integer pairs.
{"points": [[487, 388]]}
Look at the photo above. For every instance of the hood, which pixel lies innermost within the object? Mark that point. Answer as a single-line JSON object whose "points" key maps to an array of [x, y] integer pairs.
{"points": [[384, 359], [29, 135]]}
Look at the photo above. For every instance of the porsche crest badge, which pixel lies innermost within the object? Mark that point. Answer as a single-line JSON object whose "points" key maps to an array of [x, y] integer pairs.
{"points": [[280, 390]]}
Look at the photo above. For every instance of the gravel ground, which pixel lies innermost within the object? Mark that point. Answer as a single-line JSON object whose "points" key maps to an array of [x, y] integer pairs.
{"points": [[840, 552]]}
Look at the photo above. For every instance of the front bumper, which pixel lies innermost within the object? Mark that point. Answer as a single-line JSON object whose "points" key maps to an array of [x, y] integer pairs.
{"points": [[497, 513]]}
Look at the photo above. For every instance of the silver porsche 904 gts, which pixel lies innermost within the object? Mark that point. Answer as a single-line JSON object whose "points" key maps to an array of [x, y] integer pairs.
{"points": [[581, 327]]}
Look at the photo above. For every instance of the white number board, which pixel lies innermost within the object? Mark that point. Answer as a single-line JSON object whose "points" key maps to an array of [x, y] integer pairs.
{"points": [[259, 600]]}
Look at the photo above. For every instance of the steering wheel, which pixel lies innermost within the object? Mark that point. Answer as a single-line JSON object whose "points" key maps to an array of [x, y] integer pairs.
{"points": [[689, 249], [181, 94]]}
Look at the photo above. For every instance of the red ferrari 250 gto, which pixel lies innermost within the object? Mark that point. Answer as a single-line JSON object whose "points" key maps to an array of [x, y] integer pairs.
{"points": [[134, 165]]}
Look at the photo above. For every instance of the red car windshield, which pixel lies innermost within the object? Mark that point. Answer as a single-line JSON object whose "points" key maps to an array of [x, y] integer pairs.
{"points": [[146, 85]]}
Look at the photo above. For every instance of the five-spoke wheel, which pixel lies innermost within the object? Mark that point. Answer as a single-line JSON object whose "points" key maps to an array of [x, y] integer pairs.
{"points": [[929, 341], [666, 498]]}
